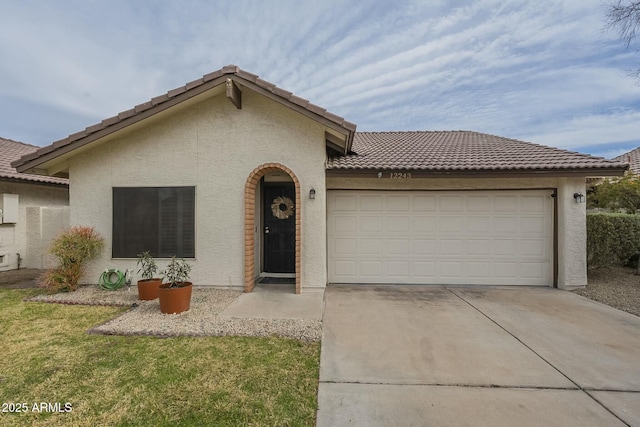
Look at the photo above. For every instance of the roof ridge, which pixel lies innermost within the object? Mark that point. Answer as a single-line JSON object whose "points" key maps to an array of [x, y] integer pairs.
{"points": [[628, 153], [13, 150], [419, 131], [564, 150], [632, 157], [590, 156], [171, 98], [465, 151], [18, 142]]}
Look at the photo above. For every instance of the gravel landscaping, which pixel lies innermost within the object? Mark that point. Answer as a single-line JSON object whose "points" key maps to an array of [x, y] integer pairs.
{"points": [[615, 286], [144, 317]]}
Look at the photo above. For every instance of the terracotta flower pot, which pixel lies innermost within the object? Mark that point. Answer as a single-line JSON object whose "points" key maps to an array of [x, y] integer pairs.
{"points": [[148, 289], [175, 300]]}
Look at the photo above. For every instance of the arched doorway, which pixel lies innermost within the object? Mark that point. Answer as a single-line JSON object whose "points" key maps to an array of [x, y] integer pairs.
{"points": [[250, 189]]}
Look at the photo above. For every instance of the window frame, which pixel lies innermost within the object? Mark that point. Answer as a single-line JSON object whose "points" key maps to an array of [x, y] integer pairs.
{"points": [[120, 203]]}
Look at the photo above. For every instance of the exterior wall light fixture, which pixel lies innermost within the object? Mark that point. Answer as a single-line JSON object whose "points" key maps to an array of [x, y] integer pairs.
{"points": [[579, 197], [312, 194]]}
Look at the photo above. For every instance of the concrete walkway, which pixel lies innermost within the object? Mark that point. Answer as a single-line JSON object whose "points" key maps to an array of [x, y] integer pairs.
{"points": [[452, 356], [276, 302]]}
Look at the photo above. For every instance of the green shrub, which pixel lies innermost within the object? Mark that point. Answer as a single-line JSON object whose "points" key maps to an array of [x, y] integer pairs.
{"points": [[73, 249], [617, 194], [612, 238]]}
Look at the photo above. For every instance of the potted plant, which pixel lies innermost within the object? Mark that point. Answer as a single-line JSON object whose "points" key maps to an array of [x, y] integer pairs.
{"points": [[148, 285], [175, 295]]}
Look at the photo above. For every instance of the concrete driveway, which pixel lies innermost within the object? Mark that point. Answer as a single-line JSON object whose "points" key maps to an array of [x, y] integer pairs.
{"points": [[454, 356]]}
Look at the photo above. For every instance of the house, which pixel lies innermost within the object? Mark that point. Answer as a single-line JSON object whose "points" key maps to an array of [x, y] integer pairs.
{"points": [[633, 158], [249, 181], [34, 209]]}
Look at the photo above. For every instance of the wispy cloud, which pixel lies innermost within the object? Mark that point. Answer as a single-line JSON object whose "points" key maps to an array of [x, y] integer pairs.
{"points": [[542, 71]]}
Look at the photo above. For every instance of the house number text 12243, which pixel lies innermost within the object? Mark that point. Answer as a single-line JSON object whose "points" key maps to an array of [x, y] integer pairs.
{"points": [[400, 175]]}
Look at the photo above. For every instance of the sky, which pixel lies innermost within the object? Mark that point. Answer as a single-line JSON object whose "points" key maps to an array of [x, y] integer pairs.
{"points": [[544, 71]]}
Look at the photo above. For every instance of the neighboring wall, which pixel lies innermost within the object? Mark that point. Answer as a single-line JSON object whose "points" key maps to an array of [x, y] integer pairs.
{"points": [[213, 146], [43, 213], [572, 233]]}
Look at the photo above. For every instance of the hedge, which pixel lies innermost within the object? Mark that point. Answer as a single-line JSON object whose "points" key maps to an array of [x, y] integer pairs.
{"points": [[612, 238]]}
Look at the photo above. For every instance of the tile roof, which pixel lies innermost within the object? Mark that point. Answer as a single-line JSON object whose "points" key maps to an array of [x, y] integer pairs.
{"points": [[460, 151], [179, 94], [12, 150], [633, 158]]}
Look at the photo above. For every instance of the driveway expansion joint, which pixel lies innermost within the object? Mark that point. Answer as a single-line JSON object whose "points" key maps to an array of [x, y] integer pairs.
{"points": [[495, 386], [514, 337], [585, 391]]}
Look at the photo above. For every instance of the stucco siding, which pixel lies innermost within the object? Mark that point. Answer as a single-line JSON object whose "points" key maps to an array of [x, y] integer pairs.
{"points": [[571, 216], [214, 147], [572, 235], [42, 215]]}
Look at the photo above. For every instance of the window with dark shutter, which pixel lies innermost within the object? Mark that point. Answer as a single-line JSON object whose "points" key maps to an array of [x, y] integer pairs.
{"points": [[156, 219]]}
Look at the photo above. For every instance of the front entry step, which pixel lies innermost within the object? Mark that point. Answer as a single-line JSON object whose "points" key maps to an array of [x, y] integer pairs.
{"points": [[277, 281]]}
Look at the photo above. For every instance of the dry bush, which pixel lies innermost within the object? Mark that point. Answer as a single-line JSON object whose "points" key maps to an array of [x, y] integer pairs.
{"points": [[73, 249]]}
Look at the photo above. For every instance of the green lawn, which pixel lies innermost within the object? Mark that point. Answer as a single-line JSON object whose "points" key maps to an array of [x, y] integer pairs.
{"points": [[47, 356]]}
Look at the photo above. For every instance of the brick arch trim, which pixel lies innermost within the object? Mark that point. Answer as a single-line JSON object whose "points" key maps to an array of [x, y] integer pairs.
{"points": [[250, 222]]}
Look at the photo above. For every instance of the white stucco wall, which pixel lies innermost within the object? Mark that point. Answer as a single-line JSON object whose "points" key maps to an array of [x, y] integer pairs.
{"points": [[572, 235], [213, 146], [42, 214], [571, 232]]}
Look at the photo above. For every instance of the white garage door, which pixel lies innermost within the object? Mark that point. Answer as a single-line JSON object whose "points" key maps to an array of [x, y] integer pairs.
{"points": [[441, 237]]}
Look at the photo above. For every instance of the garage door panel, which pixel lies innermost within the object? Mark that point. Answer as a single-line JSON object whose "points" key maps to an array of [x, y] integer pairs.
{"points": [[424, 247], [396, 247], [451, 247], [451, 269], [397, 203], [424, 224], [345, 269], [478, 225], [504, 247], [370, 203], [503, 203], [344, 203], [477, 246], [345, 246], [507, 270], [532, 270], [423, 203], [479, 204], [344, 224], [478, 270], [444, 237], [453, 203], [397, 269], [369, 247], [370, 224], [451, 224], [533, 248], [372, 270], [533, 204], [424, 270], [396, 224], [505, 225], [532, 225]]}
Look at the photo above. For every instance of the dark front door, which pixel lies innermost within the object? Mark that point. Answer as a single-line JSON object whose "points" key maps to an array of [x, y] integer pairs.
{"points": [[279, 228]]}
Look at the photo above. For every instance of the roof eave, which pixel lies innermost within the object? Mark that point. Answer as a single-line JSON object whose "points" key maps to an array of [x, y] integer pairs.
{"points": [[476, 173], [37, 181], [176, 96], [111, 125]]}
